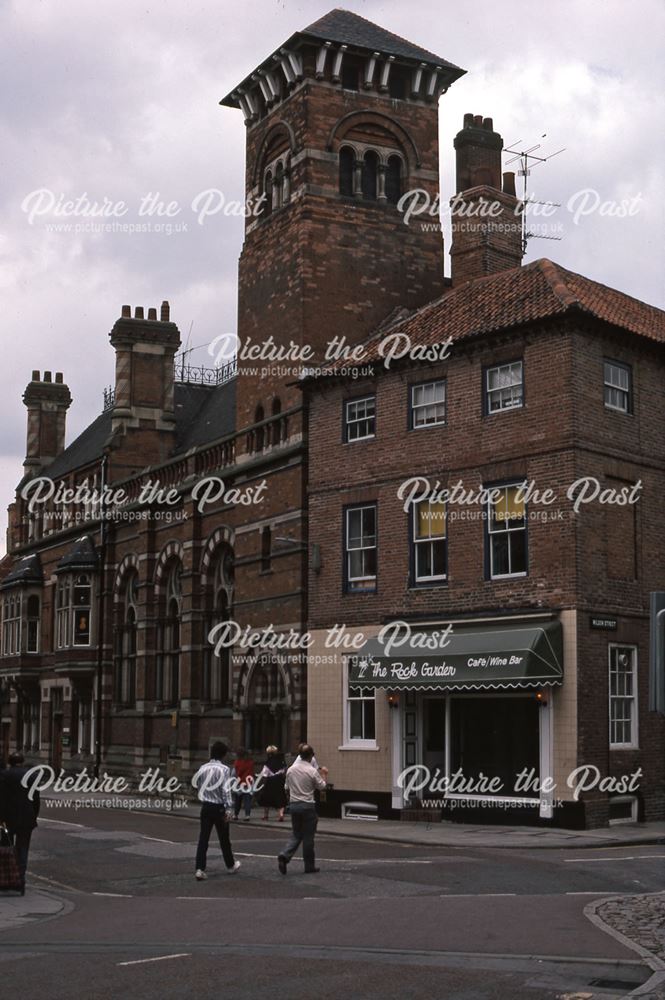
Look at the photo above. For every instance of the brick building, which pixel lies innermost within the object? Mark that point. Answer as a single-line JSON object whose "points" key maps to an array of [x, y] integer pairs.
{"points": [[111, 625], [523, 640], [106, 620]]}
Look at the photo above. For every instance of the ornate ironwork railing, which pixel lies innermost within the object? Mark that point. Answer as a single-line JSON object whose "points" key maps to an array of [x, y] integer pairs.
{"points": [[191, 375], [200, 375]]}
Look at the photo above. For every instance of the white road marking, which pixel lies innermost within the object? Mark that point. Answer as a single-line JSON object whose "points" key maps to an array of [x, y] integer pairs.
{"points": [[116, 895], [158, 840], [633, 857], [52, 881], [160, 958], [60, 822]]}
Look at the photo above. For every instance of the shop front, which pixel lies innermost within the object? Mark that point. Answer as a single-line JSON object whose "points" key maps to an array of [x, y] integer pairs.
{"points": [[471, 719]]}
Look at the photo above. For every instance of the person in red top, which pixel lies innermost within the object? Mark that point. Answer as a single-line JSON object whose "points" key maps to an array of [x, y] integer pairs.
{"points": [[244, 774]]}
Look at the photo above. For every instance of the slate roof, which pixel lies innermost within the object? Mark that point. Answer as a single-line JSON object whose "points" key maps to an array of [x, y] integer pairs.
{"points": [[347, 28], [84, 449], [203, 413], [82, 555], [537, 291], [27, 570]]}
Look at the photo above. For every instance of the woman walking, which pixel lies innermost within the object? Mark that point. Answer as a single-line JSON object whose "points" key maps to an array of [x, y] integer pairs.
{"points": [[244, 773], [273, 773]]}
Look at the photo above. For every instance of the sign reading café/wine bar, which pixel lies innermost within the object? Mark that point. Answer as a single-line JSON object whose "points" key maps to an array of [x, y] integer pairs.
{"points": [[507, 657]]}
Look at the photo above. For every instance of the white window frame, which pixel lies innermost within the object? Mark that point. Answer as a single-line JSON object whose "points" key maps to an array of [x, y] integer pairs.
{"points": [[349, 742], [416, 408], [349, 580], [614, 648], [28, 620], [355, 421], [12, 610], [610, 386], [513, 402], [506, 530], [65, 610], [430, 540]]}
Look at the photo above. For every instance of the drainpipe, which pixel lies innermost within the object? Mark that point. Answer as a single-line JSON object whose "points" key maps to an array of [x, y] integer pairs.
{"points": [[100, 620]]}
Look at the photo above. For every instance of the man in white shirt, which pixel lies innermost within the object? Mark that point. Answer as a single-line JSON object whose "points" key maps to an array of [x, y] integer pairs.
{"points": [[302, 780], [212, 782]]}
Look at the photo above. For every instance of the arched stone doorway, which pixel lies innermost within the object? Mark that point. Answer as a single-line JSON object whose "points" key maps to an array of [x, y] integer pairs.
{"points": [[267, 707]]}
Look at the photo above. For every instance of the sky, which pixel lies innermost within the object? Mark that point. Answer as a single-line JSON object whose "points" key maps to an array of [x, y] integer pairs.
{"points": [[120, 101]]}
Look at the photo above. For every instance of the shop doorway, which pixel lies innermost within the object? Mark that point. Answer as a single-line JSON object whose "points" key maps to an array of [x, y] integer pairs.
{"points": [[434, 734], [496, 736]]}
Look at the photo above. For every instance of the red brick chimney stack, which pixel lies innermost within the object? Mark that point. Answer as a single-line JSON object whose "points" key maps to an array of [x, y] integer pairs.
{"points": [[47, 402], [486, 222], [144, 382]]}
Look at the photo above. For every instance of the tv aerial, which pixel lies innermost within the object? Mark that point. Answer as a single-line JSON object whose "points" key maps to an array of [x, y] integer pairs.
{"points": [[528, 160]]}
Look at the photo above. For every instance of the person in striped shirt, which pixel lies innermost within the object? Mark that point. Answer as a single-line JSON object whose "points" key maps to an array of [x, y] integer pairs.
{"points": [[212, 782]]}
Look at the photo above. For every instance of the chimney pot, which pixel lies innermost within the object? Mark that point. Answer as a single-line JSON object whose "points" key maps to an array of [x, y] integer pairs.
{"points": [[478, 121], [47, 376], [509, 182], [126, 312], [152, 314], [488, 124], [58, 377], [165, 312], [468, 120], [35, 375], [138, 312]]}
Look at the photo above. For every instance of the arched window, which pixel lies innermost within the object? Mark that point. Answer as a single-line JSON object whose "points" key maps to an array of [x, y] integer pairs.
{"points": [[276, 428], [125, 693], [278, 187], [33, 615], [369, 175], [346, 158], [216, 679], [394, 179], [259, 434], [168, 661]]}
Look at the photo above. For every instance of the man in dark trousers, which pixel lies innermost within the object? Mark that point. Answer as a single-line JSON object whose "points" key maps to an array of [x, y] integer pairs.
{"points": [[302, 780], [213, 784], [19, 808]]}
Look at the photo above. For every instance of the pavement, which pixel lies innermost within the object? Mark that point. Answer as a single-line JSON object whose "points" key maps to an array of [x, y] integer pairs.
{"points": [[16, 911], [443, 834]]}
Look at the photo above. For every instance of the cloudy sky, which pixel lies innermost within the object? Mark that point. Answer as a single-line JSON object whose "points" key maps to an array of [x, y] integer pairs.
{"points": [[119, 100]]}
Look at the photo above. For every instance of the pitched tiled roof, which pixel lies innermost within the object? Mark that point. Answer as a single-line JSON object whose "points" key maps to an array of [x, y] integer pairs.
{"points": [[347, 28], [538, 291]]}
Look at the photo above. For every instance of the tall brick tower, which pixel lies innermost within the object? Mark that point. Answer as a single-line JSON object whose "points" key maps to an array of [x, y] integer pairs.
{"points": [[341, 120]]}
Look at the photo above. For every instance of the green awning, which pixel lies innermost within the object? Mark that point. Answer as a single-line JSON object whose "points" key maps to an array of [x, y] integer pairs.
{"points": [[479, 658]]}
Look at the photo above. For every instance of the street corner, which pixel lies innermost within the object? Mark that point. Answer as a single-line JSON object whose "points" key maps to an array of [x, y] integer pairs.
{"points": [[36, 905], [638, 922]]}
